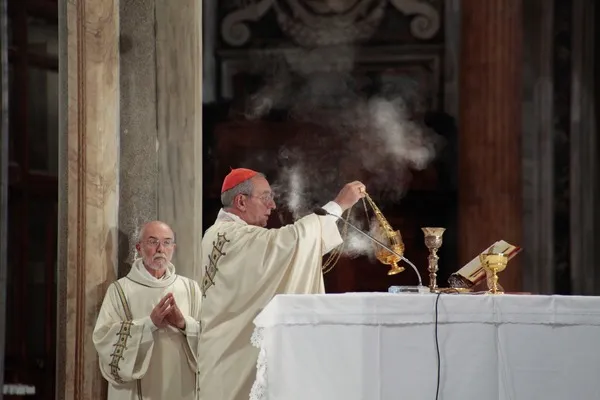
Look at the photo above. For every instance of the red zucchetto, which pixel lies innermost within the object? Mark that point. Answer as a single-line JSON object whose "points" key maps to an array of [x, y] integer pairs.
{"points": [[237, 176]]}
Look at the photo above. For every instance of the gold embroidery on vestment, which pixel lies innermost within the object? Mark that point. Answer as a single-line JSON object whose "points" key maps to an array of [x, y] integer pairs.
{"points": [[211, 269], [123, 335]]}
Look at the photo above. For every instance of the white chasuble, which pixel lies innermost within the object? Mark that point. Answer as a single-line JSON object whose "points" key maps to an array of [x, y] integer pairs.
{"points": [[138, 360], [243, 268]]}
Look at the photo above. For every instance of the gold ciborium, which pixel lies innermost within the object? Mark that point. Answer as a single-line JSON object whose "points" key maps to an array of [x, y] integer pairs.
{"points": [[493, 263], [433, 241]]}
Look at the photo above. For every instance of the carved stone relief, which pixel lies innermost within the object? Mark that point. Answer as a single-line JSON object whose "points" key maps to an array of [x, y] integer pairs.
{"points": [[416, 76], [312, 23]]}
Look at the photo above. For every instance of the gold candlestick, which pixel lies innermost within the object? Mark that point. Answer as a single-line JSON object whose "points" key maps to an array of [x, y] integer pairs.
{"points": [[433, 241]]}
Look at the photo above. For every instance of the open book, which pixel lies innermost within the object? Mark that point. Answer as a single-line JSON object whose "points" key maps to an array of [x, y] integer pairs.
{"points": [[473, 273]]}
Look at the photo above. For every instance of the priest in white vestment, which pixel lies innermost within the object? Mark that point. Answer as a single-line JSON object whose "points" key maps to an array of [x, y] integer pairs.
{"points": [[245, 265], [148, 328]]}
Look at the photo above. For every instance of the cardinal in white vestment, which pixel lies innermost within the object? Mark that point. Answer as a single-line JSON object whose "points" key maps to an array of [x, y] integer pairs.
{"points": [[148, 328], [245, 265]]}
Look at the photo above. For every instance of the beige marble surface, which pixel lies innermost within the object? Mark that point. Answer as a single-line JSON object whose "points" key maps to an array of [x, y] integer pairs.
{"points": [[161, 132], [179, 140], [156, 174], [92, 139]]}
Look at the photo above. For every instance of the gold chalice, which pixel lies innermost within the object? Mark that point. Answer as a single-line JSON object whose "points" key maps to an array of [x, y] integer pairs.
{"points": [[433, 241], [493, 263]]}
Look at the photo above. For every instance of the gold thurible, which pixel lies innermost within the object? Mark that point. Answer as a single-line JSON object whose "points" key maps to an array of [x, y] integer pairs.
{"points": [[393, 237]]}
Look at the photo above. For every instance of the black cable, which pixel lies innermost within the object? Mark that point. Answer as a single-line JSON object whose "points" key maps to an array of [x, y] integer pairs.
{"points": [[437, 347]]}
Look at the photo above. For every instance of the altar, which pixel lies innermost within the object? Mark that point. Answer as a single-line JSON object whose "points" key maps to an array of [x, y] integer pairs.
{"points": [[380, 346]]}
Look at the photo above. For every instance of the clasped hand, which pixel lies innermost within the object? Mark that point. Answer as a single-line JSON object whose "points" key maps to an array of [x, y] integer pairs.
{"points": [[166, 312]]}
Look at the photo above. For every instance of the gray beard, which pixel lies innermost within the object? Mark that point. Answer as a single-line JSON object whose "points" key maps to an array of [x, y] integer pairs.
{"points": [[157, 267]]}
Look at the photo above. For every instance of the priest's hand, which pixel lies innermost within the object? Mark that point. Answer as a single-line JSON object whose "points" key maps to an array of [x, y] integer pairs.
{"points": [[161, 310], [175, 317], [350, 194]]}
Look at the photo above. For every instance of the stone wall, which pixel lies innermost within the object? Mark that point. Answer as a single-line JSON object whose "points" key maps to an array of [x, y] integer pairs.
{"points": [[131, 151]]}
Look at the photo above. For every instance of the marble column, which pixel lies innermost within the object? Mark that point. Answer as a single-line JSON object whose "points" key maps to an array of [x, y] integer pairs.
{"points": [[490, 204], [88, 199], [131, 151], [179, 139], [138, 165], [161, 125]]}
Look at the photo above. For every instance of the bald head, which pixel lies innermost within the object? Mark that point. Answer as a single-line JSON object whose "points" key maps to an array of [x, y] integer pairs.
{"points": [[149, 227]]}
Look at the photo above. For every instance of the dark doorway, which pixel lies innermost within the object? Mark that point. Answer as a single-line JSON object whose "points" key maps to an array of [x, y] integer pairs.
{"points": [[32, 195]]}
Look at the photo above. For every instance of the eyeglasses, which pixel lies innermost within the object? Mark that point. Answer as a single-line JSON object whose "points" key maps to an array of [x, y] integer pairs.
{"points": [[265, 198], [167, 243]]}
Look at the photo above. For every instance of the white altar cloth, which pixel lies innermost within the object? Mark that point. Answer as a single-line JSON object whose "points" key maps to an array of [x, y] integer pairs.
{"points": [[379, 346]]}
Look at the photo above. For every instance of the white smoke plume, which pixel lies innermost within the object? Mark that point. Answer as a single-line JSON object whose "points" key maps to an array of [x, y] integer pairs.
{"points": [[349, 135], [295, 194], [401, 138], [357, 244]]}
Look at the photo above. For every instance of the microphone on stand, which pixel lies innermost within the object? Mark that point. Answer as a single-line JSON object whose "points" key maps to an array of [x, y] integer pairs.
{"points": [[321, 211]]}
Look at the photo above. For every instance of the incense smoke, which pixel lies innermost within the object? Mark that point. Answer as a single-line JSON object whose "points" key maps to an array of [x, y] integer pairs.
{"points": [[351, 132]]}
